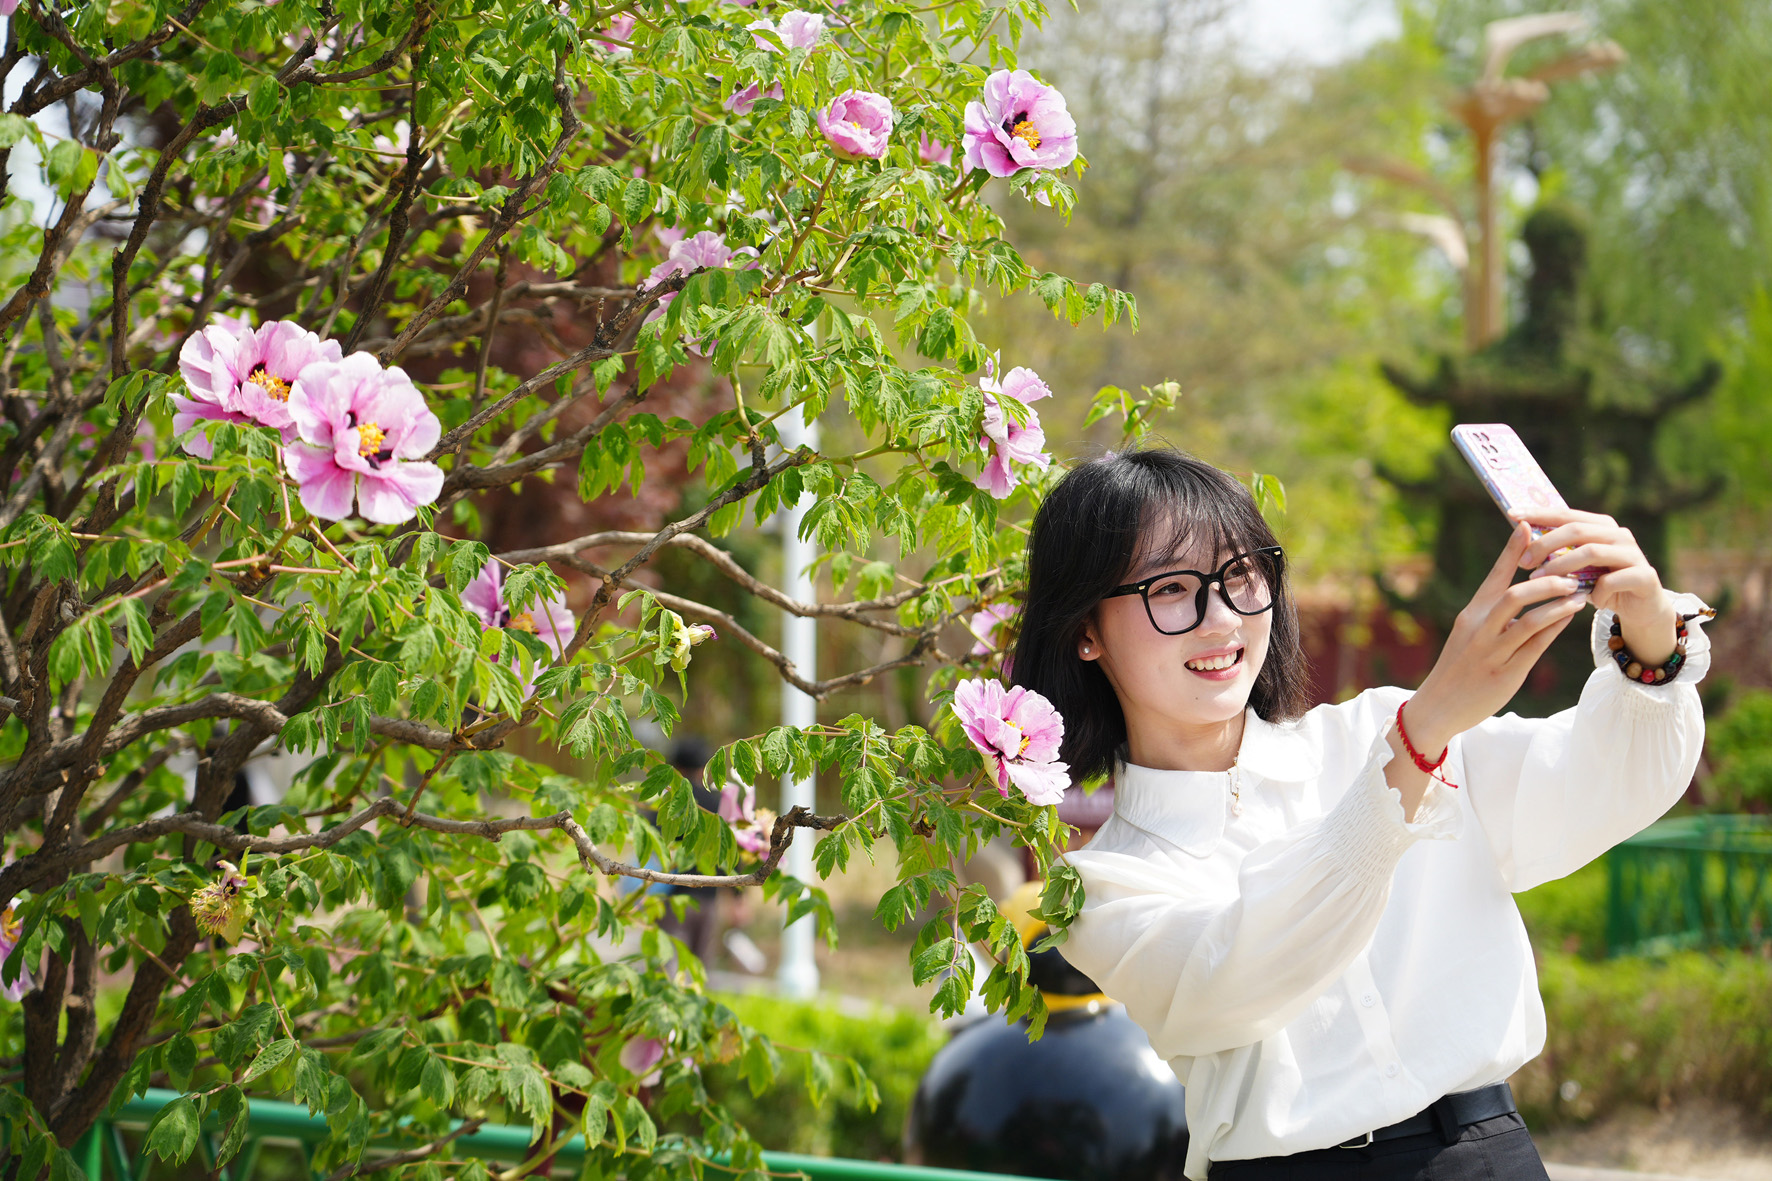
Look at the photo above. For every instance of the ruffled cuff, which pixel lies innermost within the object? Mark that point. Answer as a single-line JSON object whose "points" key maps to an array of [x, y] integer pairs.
{"points": [[1692, 670], [1366, 828]]}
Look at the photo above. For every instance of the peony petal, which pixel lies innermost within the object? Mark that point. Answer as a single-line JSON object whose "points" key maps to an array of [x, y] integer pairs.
{"points": [[482, 595], [324, 395], [326, 489], [1024, 385], [1041, 783], [996, 478], [554, 625], [976, 698], [258, 406], [800, 30], [285, 348], [392, 494]]}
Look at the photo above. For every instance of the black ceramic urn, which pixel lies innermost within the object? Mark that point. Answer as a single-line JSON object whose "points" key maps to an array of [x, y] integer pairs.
{"points": [[1089, 1101]]}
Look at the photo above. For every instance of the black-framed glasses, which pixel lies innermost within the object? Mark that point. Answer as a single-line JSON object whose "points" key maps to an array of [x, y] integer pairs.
{"points": [[1176, 600]]}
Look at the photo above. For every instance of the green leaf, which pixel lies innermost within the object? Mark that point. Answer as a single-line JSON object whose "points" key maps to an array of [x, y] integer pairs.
{"points": [[187, 482], [70, 168], [636, 201], [181, 1060], [231, 1107], [270, 1058], [36, 1156], [172, 1133], [12, 129], [437, 1081]]}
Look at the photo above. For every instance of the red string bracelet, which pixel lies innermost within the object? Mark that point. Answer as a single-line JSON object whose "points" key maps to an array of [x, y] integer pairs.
{"points": [[1431, 770]]}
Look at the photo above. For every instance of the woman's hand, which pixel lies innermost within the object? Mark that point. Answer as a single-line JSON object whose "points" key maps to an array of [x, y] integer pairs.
{"points": [[1492, 647], [1630, 585]]}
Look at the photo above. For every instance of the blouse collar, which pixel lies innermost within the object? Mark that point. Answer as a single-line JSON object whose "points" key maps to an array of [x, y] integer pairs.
{"points": [[1188, 808]]}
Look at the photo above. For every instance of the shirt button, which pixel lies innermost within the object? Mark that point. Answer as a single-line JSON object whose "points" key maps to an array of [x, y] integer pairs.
{"points": [[1368, 1000], [1390, 1071]]}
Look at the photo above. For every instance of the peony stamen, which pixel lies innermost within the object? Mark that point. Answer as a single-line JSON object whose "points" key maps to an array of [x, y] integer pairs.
{"points": [[369, 440], [276, 387], [1026, 132], [524, 622]]}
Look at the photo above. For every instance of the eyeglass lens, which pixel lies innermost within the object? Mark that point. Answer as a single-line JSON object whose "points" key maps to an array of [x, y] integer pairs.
{"points": [[1175, 600]]}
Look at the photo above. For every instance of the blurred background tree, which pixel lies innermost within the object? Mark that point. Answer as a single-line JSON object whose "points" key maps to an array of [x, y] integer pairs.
{"points": [[1273, 282]]}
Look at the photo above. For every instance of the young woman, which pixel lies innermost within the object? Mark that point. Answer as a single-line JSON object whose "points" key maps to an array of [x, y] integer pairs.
{"points": [[1317, 935]]}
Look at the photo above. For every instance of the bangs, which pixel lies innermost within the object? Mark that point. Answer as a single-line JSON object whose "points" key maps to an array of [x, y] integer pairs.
{"points": [[1186, 532], [1189, 516]]}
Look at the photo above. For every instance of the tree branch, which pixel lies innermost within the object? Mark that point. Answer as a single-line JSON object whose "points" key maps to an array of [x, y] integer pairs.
{"points": [[855, 612], [594, 861], [509, 214], [408, 1156]]}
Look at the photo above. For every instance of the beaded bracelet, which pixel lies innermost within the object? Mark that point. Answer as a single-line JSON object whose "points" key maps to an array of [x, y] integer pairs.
{"points": [[1635, 669]]}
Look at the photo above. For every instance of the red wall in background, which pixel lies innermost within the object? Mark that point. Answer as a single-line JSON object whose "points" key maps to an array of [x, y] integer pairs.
{"points": [[1348, 653]]}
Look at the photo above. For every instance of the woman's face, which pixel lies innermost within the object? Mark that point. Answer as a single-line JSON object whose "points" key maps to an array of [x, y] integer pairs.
{"points": [[1174, 683]]}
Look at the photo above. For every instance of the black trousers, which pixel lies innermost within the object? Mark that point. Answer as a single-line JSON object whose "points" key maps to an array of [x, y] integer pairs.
{"points": [[1498, 1149]]}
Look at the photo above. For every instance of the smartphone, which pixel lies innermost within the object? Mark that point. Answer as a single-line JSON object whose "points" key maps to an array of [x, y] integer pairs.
{"points": [[1512, 476]]}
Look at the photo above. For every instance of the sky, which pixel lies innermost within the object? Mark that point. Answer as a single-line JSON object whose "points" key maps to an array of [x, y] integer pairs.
{"points": [[1317, 31]]}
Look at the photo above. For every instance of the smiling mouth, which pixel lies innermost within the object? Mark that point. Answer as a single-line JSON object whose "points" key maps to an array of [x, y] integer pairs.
{"points": [[1216, 663]]}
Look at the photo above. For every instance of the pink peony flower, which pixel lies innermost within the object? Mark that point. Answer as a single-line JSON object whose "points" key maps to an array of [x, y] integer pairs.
{"points": [[706, 249], [858, 124], [236, 374], [1022, 123], [797, 30], [396, 144], [619, 29], [933, 151], [362, 432], [641, 1054], [9, 924], [985, 624], [740, 102], [751, 825], [1005, 439], [551, 622], [1018, 733]]}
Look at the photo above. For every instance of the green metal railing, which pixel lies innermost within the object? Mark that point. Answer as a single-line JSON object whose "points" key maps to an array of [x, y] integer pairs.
{"points": [[106, 1156], [1698, 881]]}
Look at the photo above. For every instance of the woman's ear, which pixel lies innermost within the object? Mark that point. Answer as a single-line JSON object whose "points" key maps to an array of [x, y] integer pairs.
{"points": [[1088, 643]]}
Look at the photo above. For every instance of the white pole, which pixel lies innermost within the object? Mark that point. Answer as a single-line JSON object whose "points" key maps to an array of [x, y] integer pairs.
{"points": [[797, 975]]}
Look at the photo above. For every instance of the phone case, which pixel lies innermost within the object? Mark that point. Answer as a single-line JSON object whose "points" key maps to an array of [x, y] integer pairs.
{"points": [[1512, 476]]}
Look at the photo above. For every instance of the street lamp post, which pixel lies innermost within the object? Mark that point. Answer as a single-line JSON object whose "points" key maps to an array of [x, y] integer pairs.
{"points": [[797, 975]]}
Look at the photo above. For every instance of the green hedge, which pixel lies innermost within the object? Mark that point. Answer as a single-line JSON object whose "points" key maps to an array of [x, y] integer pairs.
{"points": [[1650, 1031], [893, 1048], [1569, 914]]}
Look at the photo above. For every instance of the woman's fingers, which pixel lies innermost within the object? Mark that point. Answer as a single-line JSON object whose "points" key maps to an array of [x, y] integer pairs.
{"points": [[1546, 517], [1525, 631], [1502, 573], [1527, 654], [1605, 554], [1522, 595], [1567, 536]]}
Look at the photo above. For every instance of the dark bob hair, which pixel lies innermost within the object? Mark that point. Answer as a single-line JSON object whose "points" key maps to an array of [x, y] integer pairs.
{"points": [[1087, 538]]}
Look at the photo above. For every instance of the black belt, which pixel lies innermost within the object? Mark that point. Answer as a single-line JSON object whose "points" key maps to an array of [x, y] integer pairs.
{"points": [[1448, 1114]]}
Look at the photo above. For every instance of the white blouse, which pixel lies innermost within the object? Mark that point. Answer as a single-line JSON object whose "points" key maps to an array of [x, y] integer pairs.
{"points": [[1312, 967]]}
